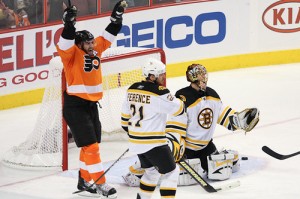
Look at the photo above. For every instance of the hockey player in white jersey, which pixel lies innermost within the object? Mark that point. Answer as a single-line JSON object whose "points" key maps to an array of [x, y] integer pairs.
{"points": [[144, 116], [204, 110]]}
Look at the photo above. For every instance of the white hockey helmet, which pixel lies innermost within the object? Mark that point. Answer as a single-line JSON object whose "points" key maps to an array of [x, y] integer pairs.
{"points": [[153, 67]]}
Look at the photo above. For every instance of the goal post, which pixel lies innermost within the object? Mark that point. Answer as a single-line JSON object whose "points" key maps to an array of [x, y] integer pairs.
{"points": [[46, 147]]}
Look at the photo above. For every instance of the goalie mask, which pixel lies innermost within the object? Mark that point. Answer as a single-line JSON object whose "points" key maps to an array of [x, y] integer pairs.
{"points": [[196, 73]]}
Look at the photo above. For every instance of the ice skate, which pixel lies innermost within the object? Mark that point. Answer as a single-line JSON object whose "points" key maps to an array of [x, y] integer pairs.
{"points": [[106, 191], [82, 185]]}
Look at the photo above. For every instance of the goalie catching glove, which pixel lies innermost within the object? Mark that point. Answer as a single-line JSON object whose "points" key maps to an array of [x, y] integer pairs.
{"points": [[69, 16], [246, 120], [117, 13]]}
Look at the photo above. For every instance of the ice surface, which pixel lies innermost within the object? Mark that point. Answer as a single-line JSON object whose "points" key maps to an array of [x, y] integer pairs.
{"points": [[273, 89]]}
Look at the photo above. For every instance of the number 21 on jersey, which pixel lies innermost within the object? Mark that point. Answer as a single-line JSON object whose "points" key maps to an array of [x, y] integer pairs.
{"points": [[135, 110]]}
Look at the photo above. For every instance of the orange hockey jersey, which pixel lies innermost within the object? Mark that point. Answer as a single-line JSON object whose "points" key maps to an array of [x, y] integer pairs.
{"points": [[83, 73]]}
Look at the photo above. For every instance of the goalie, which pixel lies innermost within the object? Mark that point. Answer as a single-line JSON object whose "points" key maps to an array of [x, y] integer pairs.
{"points": [[204, 111]]}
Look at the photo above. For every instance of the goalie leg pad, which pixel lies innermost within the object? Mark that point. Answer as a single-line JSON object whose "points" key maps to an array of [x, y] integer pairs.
{"points": [[184, 178], [220, 166], [236, 164], [236, 159]]}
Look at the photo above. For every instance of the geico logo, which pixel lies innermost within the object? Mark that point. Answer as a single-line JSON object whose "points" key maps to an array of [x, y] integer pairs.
{"points": [[175, 32], [283, 16]]}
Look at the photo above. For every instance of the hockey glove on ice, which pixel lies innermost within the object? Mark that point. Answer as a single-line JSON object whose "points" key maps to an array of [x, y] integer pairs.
{"points": [[116, 15], [69, 16], [246, 120]]}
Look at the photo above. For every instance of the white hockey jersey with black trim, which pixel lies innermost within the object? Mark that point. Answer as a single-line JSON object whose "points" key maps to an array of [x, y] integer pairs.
{"points": [[204, 111], [144, 113]]}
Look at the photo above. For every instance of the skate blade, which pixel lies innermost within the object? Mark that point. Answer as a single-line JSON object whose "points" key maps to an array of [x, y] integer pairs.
{"points": [[89, 194]]}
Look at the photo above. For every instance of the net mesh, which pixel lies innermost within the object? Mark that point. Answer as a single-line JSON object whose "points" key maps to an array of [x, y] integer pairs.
{"points": [[43, 147]]}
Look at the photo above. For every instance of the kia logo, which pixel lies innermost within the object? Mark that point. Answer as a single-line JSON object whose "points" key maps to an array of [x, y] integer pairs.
{"points": [[283, 16]]}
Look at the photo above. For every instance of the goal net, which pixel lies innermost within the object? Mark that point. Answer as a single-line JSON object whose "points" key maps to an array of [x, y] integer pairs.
{"points": [[46, 147]]}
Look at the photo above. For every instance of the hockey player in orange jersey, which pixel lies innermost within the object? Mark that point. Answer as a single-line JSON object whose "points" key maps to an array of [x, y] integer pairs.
{"points": [[80, 53]]}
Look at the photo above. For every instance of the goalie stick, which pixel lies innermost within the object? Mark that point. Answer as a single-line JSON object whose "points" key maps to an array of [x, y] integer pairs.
{"points": [[278, 156], [79, 191], [206, 186]]}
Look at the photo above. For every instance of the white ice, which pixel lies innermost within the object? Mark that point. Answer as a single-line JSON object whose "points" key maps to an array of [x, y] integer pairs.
{"points": [[273, 89]]}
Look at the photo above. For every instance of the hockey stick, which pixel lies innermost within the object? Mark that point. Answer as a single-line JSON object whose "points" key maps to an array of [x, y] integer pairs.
{"points": [[79, 191], [278, 156], [69, 1], [206, 186]]}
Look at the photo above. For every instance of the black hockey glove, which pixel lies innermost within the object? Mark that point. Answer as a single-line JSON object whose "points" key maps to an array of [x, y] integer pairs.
{"points": [[116, 15], [69, 16]]}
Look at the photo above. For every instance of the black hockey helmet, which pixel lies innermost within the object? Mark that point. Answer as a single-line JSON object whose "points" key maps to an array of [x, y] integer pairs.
{"points": [[83, 36]]}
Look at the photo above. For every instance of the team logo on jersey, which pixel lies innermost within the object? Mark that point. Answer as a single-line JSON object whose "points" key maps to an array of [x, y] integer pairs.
{"points": [[205, 118], [91, 63]]}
